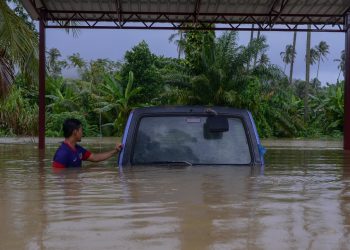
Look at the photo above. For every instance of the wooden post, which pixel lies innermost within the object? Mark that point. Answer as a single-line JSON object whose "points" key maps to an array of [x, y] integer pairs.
{"points": [[42, 83], [347, 85]]}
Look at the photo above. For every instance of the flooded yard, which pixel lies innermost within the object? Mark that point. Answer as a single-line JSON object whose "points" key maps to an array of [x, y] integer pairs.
{"points": [[299, 200]]}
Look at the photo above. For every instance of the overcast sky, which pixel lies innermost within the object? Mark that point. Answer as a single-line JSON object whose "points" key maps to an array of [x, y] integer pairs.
{"points": [[112, 44]]}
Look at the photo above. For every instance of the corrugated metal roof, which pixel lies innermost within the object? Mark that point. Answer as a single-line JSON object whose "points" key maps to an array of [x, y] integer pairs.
{"points": [[260, 12]]}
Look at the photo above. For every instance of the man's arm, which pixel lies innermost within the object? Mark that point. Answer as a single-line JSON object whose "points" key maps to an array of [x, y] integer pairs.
{"points": [[106, 155]]}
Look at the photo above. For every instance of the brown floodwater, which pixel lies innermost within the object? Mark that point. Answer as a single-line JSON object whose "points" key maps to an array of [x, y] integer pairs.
{"points": [[300, 200]]}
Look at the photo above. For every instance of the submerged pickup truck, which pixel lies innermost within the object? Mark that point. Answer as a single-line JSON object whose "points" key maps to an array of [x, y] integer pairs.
{"points": [[193, 135]]}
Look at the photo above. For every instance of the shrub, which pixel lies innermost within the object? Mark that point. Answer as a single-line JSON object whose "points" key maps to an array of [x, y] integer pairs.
{"points": [[55, 121]]}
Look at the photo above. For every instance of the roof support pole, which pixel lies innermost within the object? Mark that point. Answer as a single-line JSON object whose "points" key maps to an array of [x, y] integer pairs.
{"points": [[42, 83], [347, 84]]}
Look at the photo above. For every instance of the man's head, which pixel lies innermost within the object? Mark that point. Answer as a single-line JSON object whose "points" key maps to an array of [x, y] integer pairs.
{"points": [[72, 127]]}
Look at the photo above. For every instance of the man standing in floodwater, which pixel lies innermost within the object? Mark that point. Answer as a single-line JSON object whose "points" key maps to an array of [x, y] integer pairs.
{"points": [[70, 154]]}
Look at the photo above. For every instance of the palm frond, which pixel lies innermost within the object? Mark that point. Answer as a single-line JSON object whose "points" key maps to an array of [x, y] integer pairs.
{"points": [[6, 75], [18, 42], [130, 84]]}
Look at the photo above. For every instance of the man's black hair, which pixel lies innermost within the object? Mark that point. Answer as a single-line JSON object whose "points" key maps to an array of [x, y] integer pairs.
{"points": [[69, 125]]}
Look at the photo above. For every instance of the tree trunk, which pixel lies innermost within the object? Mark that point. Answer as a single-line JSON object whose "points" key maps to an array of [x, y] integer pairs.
{"points": [[307, 75], [179, 46], [256, 55], [251, 40], [318, 66], [293, 58], [338, 76], [251, 34]]}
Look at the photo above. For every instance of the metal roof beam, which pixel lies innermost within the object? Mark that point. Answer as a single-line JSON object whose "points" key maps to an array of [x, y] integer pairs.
{"points": [[43, 4], [346, 12], [134, 18], [45, 8], [33, 6], [134, 21], [196, 10], [203, 27], [190, 13], [271, 10], [273, 6], [119, 10], [278, 12]]}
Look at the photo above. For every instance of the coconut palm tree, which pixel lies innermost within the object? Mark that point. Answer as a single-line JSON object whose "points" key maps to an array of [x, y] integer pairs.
{"points": [[6, 73], [54, 66], [252, 34], [250, 41], [18, 48], [179, 42], [223, 72], [264, 59], [313, 56], [310, 59], [77, 62], [293, 57], [256, 55], [213, 70], [287, 55], [322, 51], [341, 65]]}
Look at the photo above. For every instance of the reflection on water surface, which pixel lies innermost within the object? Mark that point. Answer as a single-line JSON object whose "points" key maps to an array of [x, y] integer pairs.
{"points": [[301, 201]]}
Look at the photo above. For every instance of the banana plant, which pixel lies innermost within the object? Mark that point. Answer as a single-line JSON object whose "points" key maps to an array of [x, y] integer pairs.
{"points": [[62, 97], [330, 108], [113, 97]]}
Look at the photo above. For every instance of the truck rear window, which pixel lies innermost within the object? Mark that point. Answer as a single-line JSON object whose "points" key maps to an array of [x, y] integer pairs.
{"points": [[185, 138]]}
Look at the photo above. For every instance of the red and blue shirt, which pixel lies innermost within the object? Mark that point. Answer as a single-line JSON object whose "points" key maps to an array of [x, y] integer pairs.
{"points": [[67, 156]]}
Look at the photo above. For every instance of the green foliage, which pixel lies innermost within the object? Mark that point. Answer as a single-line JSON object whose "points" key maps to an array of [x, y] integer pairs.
{"points": [[18, 48], [179, 42], [116, 100], [341, 65], [17, 115], [288, 56], [22, 13], [141, 62], [196, 42], [96, 70], [75, 61], [54, 66], [225, 79], [55, 121], [62, 96], [328, 109]]}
